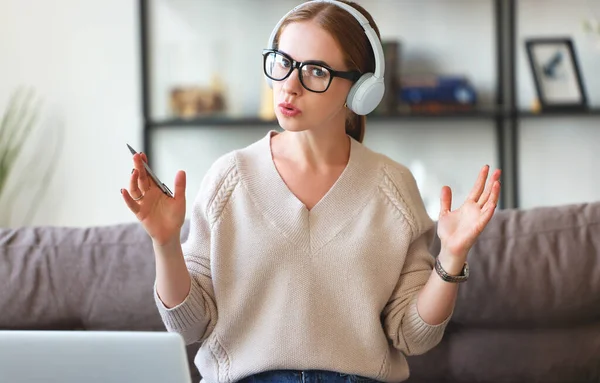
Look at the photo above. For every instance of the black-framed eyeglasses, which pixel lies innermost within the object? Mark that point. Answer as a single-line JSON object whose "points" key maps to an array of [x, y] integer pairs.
{"points": [[314, 76]]}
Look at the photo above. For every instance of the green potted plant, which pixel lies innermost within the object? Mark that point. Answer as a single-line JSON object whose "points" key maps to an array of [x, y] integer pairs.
{"points": [[22, 184]]}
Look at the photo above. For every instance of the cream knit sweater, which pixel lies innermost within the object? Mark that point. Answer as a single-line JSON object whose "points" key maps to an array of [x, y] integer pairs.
{"points": [[276, 286]]}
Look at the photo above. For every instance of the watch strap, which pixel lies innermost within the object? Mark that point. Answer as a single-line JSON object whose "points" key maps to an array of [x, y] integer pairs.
{"points": [[464, 275]]}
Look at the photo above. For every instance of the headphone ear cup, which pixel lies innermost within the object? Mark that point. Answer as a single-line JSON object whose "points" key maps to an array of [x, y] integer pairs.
{"points": [[365, 94], [356, 87]]}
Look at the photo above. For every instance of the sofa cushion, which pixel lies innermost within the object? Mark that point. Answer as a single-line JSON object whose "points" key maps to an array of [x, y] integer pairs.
{"points": [[549, 355], [96, 278], [90, 278], [534, 267]]}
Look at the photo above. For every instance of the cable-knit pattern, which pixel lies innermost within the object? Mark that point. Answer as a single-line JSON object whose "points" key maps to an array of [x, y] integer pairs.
{"points": [[384, 370], [389, 188], [222, 195], [222, 359]]}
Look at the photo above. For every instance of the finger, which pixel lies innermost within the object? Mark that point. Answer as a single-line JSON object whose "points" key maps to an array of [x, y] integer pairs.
{"points": [[144, 158], [494, 189], [488, 188], [492, 202], [134, 190], [445, 200], [495, 192], [497, 174], [180, 181], [131, 204], [486, 216], [487, 213], [479, 184], [143, 177], [486, 195]]}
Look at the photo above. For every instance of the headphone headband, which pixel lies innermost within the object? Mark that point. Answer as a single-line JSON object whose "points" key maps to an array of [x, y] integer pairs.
{"points": [[362, 20]]}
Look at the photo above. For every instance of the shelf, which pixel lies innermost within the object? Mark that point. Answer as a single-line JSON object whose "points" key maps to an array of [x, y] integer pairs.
{"points": [[593, 112], [474, 114], [211, 121], [255, 121]]}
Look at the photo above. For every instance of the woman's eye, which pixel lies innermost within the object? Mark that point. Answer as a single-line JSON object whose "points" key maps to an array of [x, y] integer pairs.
{"points": [[285, 63], [317, 71]]}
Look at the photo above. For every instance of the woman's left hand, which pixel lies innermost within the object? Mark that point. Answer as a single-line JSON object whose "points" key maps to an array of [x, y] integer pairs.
{"points": [[458, 229]]}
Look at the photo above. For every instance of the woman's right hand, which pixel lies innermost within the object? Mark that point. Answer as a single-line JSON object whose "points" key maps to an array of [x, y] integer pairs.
{"points": [[161, 216]]}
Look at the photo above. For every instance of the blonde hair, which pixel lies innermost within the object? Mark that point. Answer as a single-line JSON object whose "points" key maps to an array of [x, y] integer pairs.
{"points": [[349, 34]]}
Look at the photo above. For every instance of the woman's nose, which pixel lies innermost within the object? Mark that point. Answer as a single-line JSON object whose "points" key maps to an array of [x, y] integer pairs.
{"points": [[292, 84]]}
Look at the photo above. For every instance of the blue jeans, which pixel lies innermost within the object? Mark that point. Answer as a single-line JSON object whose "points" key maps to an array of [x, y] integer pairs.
{"points": [[307, 376]]}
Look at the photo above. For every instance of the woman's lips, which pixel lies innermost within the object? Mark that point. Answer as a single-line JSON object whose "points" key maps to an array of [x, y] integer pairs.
{"points": [[288, 110]]}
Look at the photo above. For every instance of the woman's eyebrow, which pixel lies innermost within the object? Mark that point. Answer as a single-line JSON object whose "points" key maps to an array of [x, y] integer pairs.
{"points": [[318, 62]]}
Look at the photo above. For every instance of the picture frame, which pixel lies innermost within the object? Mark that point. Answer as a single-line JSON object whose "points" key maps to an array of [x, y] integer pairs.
{"points": [[556, 73]]}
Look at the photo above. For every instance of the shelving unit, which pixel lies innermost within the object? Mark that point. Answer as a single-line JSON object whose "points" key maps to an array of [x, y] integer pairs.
{"points": [[516, 115], [504, 113]]}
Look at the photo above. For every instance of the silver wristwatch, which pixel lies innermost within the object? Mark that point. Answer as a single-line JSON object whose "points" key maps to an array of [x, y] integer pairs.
{"points": [[464, 275]]}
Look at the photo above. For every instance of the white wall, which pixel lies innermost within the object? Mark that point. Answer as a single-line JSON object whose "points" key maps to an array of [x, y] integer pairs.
{"points": [[84, 58]]}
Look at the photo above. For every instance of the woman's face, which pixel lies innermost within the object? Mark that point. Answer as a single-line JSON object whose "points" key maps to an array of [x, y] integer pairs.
{"points": [[298, 109]]}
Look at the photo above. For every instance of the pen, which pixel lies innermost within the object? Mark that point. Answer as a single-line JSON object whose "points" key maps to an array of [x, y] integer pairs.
{"points": [[160, 185]]}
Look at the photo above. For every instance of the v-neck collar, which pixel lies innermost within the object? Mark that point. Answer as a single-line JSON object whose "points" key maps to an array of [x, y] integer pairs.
{"points": [[308, 229]]}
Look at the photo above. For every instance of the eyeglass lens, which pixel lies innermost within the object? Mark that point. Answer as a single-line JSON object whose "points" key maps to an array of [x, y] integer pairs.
{"points": [[313, 77]]}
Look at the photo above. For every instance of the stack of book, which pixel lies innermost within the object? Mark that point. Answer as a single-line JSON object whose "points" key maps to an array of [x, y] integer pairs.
{"points": [[423, 94], [436, 94]]}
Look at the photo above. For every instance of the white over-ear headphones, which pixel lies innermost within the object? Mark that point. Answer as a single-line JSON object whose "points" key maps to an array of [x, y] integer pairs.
{"points": [[367, 91]]}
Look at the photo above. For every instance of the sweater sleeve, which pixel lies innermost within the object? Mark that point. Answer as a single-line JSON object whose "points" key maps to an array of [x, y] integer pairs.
{"points": [[404, 326], [196, 316]]}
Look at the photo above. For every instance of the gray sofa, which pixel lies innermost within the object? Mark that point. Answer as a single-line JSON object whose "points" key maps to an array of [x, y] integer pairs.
{"points": [[529, 313]]}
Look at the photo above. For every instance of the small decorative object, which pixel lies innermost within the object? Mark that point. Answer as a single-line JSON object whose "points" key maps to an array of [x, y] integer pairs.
{"points": [[558, 80], [591, 27], [195, 101], [267, 109]]}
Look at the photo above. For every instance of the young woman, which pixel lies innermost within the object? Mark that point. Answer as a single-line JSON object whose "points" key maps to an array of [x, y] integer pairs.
{"points": [[307, 258]]}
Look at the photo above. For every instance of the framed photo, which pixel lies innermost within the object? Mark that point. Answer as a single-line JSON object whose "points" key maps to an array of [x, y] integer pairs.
{"points": [[556, 73]]}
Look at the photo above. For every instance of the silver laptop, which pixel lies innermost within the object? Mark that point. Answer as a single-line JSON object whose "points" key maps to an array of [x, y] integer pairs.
{"points": [[92, 357]]}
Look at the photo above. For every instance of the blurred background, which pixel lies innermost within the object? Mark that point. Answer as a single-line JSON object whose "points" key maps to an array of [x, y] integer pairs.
{"points": [[512, 84]]}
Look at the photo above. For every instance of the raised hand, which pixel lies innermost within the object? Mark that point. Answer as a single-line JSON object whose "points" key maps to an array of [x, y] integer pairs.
{"points": [[458, 229], [161, 216]]}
